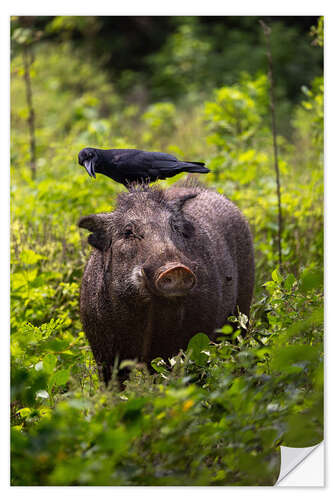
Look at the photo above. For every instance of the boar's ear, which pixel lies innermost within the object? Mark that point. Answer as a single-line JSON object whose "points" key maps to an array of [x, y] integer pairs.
{"points": [[177, 204], [178, 222], [99, 226]]}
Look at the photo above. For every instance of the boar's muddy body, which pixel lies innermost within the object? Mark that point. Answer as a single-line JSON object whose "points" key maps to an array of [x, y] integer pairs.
{"points": [[167, 264]]}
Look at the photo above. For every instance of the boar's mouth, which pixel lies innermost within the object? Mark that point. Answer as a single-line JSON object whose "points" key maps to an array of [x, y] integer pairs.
{"points": [[174, 280]]}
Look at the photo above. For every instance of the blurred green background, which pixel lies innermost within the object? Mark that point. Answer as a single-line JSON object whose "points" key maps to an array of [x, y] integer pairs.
{"points": [[196, 87]]}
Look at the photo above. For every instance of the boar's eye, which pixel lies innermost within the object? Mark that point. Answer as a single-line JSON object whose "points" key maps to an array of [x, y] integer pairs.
{"points": [[182, 226], [130, 232]]}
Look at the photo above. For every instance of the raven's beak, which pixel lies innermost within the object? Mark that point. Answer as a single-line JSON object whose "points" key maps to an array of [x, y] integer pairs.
{"points": [[89, 166]]}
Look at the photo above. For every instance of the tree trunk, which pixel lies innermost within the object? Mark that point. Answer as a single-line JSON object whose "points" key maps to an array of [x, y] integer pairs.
{"points": [[27, 60]]}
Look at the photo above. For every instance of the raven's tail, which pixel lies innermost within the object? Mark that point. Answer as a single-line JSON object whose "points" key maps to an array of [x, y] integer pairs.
{"points": [[194, 167]]}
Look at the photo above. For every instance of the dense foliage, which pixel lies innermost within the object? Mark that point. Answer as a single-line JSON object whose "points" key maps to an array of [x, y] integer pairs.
{"points": [[217, 413]]}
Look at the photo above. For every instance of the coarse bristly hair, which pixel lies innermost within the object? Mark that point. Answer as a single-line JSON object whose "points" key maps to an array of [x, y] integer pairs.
{"points": [[124, 315], [144, 192], [140, 192], [191, 181]]}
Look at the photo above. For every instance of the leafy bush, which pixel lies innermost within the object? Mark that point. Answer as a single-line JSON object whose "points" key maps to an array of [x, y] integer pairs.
{"points": [[215, 415], [159, 120]]}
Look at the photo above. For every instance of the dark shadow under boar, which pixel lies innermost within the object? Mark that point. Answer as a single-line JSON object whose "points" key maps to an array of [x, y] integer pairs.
{"points": [[167, 264]]}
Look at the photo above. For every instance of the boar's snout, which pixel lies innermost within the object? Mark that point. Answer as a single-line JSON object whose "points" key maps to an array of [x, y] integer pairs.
{"points": [[174, 280]]}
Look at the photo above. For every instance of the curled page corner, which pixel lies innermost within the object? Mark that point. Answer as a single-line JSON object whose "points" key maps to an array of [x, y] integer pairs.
{"points": [[291, 458]]}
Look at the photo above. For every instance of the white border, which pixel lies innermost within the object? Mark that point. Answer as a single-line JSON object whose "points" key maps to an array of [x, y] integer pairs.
{"points": [[303, 467], [144, 7]]}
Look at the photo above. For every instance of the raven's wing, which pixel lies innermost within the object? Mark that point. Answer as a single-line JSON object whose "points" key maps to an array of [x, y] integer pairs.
{"points": [[143, 163], [137, 158], [138, 164]]}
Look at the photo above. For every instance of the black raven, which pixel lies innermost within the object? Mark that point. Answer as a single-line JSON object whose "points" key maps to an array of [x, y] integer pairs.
{"points": [[133, 165]]}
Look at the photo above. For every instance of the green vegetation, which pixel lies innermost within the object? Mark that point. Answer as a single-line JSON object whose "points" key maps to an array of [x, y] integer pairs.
{"points": [[217, 413]]}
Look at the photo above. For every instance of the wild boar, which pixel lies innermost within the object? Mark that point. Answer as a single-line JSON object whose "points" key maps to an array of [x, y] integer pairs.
{"points": [[166, 265]]}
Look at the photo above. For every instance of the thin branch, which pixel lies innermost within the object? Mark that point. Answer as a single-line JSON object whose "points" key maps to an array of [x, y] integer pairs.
{"points": [[267, 32], [27, 61]]}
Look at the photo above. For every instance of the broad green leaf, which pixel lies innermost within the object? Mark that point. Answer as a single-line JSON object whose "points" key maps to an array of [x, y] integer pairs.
{"points": [[24, 412], [289, 282], [49, 362], [311, 279], [226, 330], [29, 257], [159, 365], [196, 346], [57, 345], [59, 378], [284, 358], [276, 276]]}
